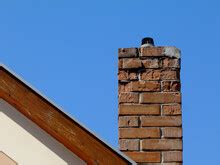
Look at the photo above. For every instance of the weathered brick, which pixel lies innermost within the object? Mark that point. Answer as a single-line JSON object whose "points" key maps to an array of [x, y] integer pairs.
{"points": [[127, 52], [121, 88], [151, 63], [129, 144], [169, 75], [144, 156], [120, 63], [123, 75], [128, 121], [151, 51], [145, 86], [129, 98], [133, 76], [171, 132], [161, 121], [151, 75], [160, 75], [139, 133], [160, 98], [172, 156], [131, 63], [138, 86], [161, 144], [124, 87], [170, 86], [174, 109], [126, 76], [152, 109], [171, 63]]}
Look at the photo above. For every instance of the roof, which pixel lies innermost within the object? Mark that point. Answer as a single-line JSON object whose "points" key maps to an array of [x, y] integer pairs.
{"points": [[65, 129]]}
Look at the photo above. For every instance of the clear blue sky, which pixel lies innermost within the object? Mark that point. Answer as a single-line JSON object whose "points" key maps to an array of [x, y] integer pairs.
{"points": [[68, 51]]}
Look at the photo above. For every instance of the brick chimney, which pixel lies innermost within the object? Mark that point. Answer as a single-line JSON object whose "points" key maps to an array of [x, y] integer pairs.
{"points": [[150, 117]]}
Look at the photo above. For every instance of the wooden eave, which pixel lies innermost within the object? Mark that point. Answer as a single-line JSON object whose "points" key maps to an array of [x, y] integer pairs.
{"points": [[55, 122]]}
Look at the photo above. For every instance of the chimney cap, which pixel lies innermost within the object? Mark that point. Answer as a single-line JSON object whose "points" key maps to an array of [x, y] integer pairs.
{"points": [[147, 40]]}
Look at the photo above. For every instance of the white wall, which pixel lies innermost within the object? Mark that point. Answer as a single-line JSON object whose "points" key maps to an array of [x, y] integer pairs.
{"points": [[27, 144]]}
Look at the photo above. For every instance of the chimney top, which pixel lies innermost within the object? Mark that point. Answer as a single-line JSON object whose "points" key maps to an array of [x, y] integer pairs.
{"points": [[147, 42]]}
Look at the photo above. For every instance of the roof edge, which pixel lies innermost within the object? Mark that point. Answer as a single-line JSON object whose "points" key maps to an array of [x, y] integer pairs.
{"points": [[71, 117]]}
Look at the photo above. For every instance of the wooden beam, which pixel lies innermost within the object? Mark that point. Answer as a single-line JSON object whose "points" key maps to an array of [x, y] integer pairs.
{"points": [[56, 123]]}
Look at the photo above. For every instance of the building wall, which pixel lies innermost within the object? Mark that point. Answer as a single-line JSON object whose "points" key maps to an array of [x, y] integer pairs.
{"points": [[26, 143]]}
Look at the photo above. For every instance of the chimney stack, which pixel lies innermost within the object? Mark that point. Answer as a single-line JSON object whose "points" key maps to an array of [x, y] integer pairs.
{"points": [[150, 117]]}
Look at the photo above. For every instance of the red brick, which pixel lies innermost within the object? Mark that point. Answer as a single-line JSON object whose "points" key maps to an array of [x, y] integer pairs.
{"points": [[151, 63], [143, 157], [128, 121], [120, 63], [160, 75], [132, 76], [161, 144], [151, 51], [169, 75], [127, 52], [152, 109], [170, 86], [128, 98], [131, 63], [160, 98], [161, 121], [172, 156], [171, 109], [124, 87], [151, 75], [139, 133], [121, 88], [172, 132], [138, 86], [125, 75], [171, 63], [129, 144]]}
